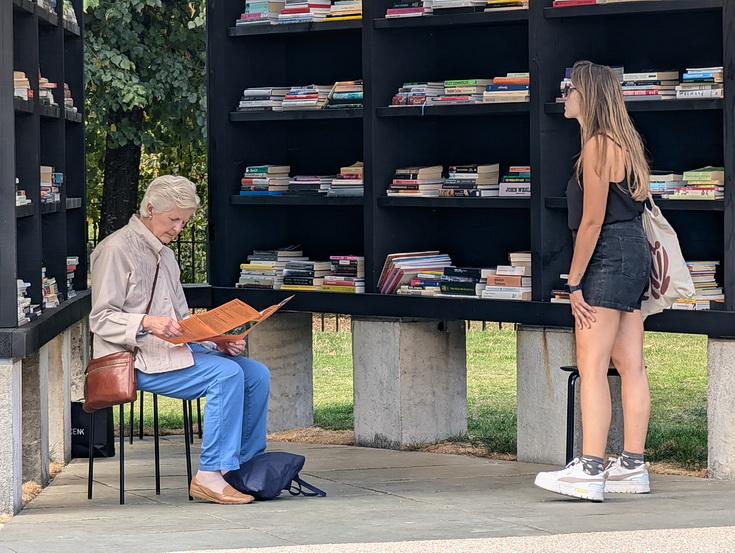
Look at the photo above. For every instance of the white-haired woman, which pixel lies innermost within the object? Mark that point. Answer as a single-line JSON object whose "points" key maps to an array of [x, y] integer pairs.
{"points": [[607, 279], [123, 268]]}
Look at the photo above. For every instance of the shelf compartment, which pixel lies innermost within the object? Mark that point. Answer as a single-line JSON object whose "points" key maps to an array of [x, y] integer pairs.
{"points": [[456, 110], [653, 105], [50, 112], [633, 8], [237, 116], [665, 205], [24, 210], [284, 199], [295, 28], [499, 203], [23, 106], [454, 20]]}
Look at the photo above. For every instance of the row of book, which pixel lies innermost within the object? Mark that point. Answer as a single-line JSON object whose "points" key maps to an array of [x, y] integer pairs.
{"points": [[694, 82], [51, 182], [274, 180], [275, 12], [469, 181], [340, 95], [431, 273], [705, 183], [512, 87], [565, 3], [287, 268], [418, 8], [22, 89]]}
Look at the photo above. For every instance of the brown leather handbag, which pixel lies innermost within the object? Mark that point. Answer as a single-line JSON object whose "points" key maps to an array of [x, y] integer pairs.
{"points": [[110, 379]]}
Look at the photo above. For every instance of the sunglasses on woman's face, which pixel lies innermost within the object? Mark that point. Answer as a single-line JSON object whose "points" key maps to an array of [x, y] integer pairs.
{"points": [[567, 90]]}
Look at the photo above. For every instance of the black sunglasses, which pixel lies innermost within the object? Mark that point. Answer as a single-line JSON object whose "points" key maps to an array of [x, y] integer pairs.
{"points": [[567, 90]]}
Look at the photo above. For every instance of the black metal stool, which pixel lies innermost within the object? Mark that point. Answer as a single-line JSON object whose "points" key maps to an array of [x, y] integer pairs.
{"points": [[140, 421], [573, 377], [188, 435]]}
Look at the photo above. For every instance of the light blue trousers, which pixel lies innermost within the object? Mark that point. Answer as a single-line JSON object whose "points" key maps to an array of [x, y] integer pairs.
{"points": [[236, 389]]}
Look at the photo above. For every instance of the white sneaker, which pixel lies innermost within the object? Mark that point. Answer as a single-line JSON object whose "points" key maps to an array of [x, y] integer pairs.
{"points": [[573, 481], [623, 480]]}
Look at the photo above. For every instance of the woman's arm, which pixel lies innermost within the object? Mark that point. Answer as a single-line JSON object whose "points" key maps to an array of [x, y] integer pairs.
{"points": [[596, 189]]}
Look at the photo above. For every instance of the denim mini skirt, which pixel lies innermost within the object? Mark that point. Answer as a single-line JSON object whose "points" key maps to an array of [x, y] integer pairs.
{"points": [[618, 272]]}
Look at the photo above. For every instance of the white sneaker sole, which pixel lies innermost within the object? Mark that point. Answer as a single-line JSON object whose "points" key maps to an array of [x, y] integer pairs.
{"points": [[627, 486], [591, 492]]}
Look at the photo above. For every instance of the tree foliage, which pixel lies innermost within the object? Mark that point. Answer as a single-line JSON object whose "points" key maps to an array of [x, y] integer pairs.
{"points": [[149, 56]]}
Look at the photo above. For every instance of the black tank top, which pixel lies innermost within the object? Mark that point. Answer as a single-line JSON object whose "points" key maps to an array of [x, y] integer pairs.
{"points": [[620, 205]]}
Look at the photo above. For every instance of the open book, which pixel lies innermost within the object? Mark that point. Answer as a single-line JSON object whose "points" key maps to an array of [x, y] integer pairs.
{"points": [[213, 325]]}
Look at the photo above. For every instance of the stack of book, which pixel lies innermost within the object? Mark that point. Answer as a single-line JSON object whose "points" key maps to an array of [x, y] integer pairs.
{"points": [[260, 12], [21, 86], [45, 94], [342, 10], [71, 266], [409, 8], [51, 183], [347, 274], [513, 281], [416, 93], [50, 289], [400, 268], [20, 195], [349, 181], [48, 5], [462, 282], [513, 87], [416, 181], [300, 11], [309, 185], [264, 268], [516, 183], [460, 91], [471, 181], [707, 183], [442, 7], [307, 97], [701, 82], [706, 288], [69, 100], [663, 184], [265, 180], [263, 98], [650, 85], [69, 14], [345, 95], [305, 275], [496, 5], [24, 303]]}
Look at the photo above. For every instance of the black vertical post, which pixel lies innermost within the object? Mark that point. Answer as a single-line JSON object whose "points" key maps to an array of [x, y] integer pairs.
{"points": [[122, 454], [157, 450], [90, 475]]}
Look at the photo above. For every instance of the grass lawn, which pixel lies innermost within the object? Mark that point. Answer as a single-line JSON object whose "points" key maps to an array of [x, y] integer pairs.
{"points": [[677, 369]]}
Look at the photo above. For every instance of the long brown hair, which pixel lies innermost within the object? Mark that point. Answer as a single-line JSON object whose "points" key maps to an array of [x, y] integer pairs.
{"points": [[603, 113]]}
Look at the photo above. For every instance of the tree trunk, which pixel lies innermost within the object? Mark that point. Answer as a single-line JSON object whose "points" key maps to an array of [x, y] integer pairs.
{"points": [[122, 172]]}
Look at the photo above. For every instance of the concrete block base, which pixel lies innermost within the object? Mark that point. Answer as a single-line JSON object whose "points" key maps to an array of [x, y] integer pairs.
{"points": [[409, 381], [721, 409], [283, 343], [542, 397], [11, 436]]}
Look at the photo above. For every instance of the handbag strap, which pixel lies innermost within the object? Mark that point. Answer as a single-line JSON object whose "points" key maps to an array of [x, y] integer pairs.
{"points": [[150, 300]]}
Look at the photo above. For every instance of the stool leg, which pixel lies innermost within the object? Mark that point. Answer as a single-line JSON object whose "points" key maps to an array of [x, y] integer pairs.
{"points": [[132, 421], [570, 415], [90, 473], [199, 416], [187, 425], [156, 447], [191, 421], [140, 429], [122, 454]]}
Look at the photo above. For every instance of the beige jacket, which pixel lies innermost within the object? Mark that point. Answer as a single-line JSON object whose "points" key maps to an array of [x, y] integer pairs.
{"points": [[123, 266]]}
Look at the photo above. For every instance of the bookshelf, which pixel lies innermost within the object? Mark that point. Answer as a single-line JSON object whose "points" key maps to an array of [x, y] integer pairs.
{"points": [[32, 134], [679, 135]]}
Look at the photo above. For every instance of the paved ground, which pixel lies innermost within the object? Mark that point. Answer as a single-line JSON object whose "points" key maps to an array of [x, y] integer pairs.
{"points": [[379, 500]]}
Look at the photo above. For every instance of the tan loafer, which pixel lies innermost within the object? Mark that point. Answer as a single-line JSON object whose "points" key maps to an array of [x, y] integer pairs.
{"points": [[229, 496]]}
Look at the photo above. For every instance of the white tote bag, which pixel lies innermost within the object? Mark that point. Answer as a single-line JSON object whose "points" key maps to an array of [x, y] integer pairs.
{"points": [[670, 279]]}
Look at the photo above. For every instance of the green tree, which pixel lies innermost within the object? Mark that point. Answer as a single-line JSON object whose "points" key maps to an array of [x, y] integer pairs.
{"points": [[145, 86]]}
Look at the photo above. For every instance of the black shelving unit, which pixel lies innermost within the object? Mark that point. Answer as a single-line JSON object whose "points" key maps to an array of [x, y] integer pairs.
{"points": [[679, 135], [32, 134]]}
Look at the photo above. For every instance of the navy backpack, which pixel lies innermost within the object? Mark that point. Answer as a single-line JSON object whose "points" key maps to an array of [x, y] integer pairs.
{"points": [[266, 475]]}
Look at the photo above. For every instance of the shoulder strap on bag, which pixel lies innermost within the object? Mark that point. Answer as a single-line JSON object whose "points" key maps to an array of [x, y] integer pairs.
{"points": [[296, 489], [150, 300]]}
